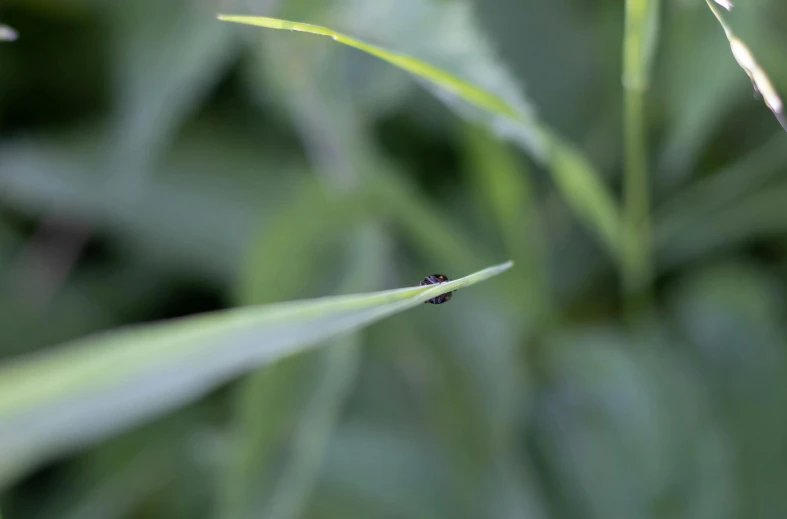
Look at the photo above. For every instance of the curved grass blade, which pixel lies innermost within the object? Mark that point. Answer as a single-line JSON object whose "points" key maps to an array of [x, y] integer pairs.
{"points": [[592, 202], [763, 87], [417, 67], [90, 388]]}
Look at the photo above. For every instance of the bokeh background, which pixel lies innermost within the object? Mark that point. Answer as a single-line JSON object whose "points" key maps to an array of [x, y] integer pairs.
{"points": [[157, 163]]}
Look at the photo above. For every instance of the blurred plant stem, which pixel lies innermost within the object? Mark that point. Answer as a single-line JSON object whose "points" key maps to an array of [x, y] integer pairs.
{"points": [[641, 26]]}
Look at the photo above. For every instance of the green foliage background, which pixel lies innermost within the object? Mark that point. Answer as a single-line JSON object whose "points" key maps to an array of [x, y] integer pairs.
{"points": [[155, 162]]}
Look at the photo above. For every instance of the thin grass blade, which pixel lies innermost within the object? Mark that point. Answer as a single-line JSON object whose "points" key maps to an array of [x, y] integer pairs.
{"points": [[592, 202], [90, 388]]}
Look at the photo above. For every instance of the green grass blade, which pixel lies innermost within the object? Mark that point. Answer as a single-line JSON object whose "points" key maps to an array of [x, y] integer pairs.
{"points": [[451, 83], [90, 388], [591, 200], [760, 80]]}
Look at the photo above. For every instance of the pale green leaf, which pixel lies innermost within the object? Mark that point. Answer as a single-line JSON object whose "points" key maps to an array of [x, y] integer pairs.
{"points": [[85, 390]]}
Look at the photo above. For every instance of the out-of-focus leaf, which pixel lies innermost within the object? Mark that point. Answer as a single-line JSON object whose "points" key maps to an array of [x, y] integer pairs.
{"points": [[472, 399], [559, 79], [723, 189], [589, 199], [574, 175], [196, 213], [392, 472], [424, 225], [508, 193], [90, 388], [726, 186], [252, 486], [696, 85], [365, 183], [114, 479], [256, 438], [756, 216], [166, 460], [293, 490], [90, 302], [614, 424], [307, 228], [168, 56], [733, 318]]}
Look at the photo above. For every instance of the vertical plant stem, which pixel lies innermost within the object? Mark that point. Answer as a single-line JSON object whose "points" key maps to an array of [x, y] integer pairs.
{"points": [[639, 42], [637, 267]]}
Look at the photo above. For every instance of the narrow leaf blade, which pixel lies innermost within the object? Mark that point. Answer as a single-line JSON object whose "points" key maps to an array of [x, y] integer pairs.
{"points": [[90, 388], [591, 200]]}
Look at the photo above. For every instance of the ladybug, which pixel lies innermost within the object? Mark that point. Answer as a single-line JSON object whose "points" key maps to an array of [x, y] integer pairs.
{"points": [[434, 279]]}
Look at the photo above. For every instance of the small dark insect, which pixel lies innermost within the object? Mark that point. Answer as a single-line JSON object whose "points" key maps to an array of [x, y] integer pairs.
{"points": [[433, 280]]}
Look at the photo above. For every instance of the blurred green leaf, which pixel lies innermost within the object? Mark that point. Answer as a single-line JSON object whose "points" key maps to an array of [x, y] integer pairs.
{"points": [[589, 199], [757, 216], [187, 217], [507, 189], [574, 175], [360, 181], [733, 318], [120, 475], [702, 85], [257, 437], [168, 56], [294, 487], [64, 398], [89, 303], [723, 188], [614, 424], [392, 472], [255, 482], [312, 224]]}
